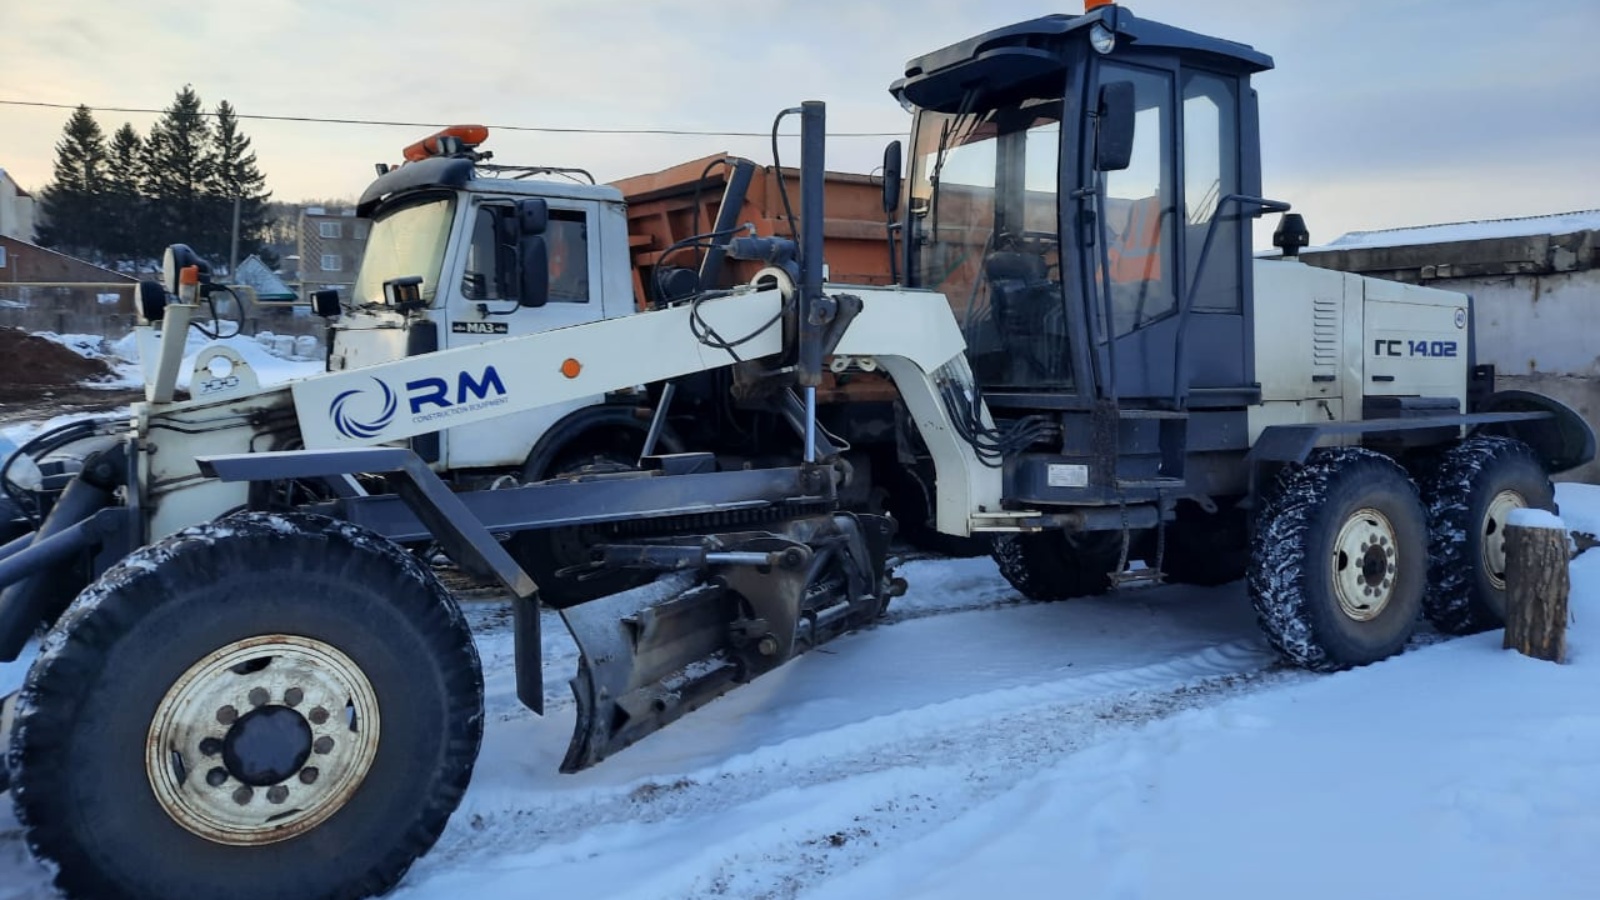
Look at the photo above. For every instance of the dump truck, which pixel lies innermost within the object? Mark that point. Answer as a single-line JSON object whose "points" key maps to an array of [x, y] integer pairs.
{"points": [[262, 692]]}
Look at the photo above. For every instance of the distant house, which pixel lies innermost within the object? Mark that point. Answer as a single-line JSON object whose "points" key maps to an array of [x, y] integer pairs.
{"points": [[331, 243], [268, 286], [16, 210], [43, 290]]}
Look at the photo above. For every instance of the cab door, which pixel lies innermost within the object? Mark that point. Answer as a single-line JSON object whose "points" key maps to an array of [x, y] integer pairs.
{"points": [[485, 308], [1154, 219]]}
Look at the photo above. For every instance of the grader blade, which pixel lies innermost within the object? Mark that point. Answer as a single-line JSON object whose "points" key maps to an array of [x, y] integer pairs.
{"points": [[655, 653]]}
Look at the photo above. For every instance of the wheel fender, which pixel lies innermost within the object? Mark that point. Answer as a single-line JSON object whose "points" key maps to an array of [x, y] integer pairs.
{"points": [[1563, 442], [583, 424]]}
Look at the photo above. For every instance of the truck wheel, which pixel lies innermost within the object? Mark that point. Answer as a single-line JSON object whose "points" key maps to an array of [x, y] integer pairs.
{"points": [[1339, 560], [264, 706], [1052, 565], [1476, 486]]}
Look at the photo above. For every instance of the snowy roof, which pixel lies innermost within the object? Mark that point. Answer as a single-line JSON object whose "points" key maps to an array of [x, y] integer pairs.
{"points": [[1557, 223], [266, 284]]}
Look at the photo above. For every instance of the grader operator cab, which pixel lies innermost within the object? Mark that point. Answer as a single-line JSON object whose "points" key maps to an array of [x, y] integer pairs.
{"points": [[263, 692]]}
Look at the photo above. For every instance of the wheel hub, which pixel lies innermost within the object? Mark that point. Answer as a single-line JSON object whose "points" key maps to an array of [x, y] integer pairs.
{"points": [[1493, 538], [267, 745], [262, 739], [1365, 561]]}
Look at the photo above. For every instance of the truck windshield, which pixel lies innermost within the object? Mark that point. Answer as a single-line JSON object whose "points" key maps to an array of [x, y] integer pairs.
{"points": [[407, 240], [983, 201]]}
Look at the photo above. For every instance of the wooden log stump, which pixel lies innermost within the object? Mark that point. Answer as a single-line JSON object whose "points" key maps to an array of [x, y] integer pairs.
{"points": [[1536, 586]]}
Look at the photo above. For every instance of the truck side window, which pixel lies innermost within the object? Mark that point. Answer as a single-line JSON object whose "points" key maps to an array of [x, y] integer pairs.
{"points": [[568, 239], [1141, 207], [1211, 172]]}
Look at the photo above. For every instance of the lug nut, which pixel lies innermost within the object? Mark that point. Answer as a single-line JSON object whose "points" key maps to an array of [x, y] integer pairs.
{"points": [[318, 716], [217, 777], [243, 795], [210, 746], [324, 745], [227, 715], [293, 696], [259, 696], [309, 774], [277, 794]]}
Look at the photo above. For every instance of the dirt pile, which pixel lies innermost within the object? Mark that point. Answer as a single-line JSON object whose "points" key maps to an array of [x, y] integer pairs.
{"points": [[32, 365]]}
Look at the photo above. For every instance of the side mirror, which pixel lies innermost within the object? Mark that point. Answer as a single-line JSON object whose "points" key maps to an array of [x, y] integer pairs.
{"points": [[533, 216], [325, 303], [892, 173], [404, 294], [177, 258], [534, 270], [1113, 145]]}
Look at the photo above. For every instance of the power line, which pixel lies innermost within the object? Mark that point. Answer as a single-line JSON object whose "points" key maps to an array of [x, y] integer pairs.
{"points": [[545, 129]]}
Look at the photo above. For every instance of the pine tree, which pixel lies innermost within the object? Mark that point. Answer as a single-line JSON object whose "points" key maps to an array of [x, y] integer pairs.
{"points": [[180, 164], [237, 177], [70, 201], [125, 211]]}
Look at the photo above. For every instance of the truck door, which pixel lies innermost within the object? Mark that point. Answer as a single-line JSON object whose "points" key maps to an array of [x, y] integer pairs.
{"points": [[485, 308], [1154, 221]]}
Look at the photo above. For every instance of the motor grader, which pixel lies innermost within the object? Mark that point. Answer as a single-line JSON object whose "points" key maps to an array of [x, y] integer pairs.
{"points": [[264, 690]]}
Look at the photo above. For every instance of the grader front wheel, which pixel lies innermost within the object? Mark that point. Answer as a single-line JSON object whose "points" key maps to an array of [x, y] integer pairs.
{"points": [[263, 707]]}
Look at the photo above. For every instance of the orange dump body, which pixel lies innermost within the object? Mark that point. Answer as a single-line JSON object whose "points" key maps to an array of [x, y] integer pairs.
{"points": [[661, 211]]}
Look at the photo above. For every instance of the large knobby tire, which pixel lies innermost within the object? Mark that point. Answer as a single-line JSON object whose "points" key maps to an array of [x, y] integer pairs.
{"points": [[1475, 487], [1339, 560], [1052, 565], [262, 707]]}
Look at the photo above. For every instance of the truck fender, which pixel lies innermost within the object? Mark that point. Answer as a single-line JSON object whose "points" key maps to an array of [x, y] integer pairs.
{"points": [[587, 425], [1564, 441]]}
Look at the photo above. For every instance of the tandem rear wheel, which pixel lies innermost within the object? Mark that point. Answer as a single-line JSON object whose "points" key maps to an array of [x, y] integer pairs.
{"points": [[269, 706]]}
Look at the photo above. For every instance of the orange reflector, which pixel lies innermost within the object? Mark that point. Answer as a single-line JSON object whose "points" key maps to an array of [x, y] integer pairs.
{"points": [[471, 135], [189, 275], [1090, 6], [571, 368]]}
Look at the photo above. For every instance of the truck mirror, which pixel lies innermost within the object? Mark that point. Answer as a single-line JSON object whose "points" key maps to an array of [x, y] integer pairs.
{"points": [[325, 303], [534, 270], [891, 178], [1113, 145], [533, 215]]}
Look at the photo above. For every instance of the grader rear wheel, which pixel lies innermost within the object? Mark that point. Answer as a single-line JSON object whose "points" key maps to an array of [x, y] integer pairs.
{"points": [[268, 706], [1339, 560]]}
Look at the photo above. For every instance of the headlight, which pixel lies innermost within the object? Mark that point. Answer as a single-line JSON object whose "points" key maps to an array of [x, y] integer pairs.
{"points": [[1102, 38]]}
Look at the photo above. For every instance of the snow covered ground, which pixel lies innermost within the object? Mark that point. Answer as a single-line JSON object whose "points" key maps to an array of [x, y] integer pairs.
{"points": [[1140, 746]]}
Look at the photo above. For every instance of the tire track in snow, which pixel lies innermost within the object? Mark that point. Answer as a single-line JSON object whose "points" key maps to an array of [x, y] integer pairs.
{"points": [[770, 822]]}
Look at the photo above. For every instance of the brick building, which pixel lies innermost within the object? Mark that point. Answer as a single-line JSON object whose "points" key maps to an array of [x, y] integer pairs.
{"points": [[331, 243]]}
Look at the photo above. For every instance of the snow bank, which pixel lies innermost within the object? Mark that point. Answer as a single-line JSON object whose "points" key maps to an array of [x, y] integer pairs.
{"points": [[270, 367]]}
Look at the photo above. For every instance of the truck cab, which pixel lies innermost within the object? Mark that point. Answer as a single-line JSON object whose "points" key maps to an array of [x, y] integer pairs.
{"points": [[442, 271]]}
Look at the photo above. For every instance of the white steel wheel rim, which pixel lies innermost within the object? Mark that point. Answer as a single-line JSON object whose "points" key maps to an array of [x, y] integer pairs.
{"points": [[1493, 536], [262, 740], [1365, 562]]}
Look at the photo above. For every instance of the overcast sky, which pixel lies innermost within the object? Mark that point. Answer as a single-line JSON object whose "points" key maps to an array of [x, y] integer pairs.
{"points": [[1379, 114]]}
